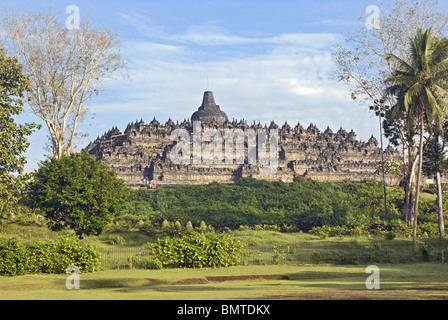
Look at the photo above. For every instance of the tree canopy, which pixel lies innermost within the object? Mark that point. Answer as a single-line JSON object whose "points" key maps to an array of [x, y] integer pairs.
{"points": [[13, 136], [77, 192]]}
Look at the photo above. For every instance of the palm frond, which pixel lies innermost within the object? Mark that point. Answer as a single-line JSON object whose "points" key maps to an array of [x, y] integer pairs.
{"points": [[399, 63], [422, 81], [412, 94]]}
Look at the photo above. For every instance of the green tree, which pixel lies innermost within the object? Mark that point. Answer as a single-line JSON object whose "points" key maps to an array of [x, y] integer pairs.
{"points": [[78, 192], [435, 164], [420, 86], [392, 167], [13, 141]]}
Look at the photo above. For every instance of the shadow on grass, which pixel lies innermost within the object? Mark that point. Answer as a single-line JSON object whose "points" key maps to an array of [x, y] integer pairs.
{"points": [[121, 283], [132, 285], [420, 277], [185, 288]]}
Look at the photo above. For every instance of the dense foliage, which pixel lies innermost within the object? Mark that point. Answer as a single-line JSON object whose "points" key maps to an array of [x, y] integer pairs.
{"points": [[78, 192], [325, 208], [17, 258], [13, 136]]}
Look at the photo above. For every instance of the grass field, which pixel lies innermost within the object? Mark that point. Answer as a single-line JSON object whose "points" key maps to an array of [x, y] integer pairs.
{"points": [[426, 281], [328, 269]]}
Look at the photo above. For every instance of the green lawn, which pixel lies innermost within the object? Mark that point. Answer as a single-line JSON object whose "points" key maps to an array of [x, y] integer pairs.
{"points": [[397, 281], [295, 255]]}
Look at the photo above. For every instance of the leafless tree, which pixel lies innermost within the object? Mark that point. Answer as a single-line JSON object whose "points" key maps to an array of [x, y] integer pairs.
{"points": [[66, 67]]}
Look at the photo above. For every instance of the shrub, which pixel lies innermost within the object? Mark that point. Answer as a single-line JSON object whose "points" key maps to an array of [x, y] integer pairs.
{"points": [[13, 258], [47, 257], [153, 264], [166, 228], [322, 232], [391, 235], [147, 228], [279, 255], [202, 226], [177, 226], [115, 239], [196, 250], [25, 216]]}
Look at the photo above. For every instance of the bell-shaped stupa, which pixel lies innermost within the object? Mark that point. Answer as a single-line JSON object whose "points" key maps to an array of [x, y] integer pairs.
{"points": [[209, 111]]}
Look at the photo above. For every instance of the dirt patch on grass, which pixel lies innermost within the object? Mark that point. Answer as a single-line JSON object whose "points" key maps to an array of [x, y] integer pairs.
{"points": [[232, 278]]}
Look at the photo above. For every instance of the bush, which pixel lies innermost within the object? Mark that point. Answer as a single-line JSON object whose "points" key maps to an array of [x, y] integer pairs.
{"points": [[115, 239], [391, 235], [47, 257], [196, 250], [147, 228], [13, 258]]}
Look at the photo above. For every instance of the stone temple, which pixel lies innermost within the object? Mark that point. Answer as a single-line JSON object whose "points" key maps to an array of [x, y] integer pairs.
{"points": [[144, 153]]}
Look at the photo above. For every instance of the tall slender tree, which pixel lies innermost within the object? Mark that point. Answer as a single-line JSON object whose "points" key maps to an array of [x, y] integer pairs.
{"points": [[400, 128], [420, 86], [435, 163], [65, 67]]}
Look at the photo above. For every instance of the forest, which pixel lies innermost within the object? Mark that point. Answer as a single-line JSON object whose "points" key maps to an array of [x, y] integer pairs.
{"points": [[322, 208]]}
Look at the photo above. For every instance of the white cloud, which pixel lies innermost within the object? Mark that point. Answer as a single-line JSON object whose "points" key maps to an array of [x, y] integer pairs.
{"points": [[208, 37], [310, 40], [153, 49]]}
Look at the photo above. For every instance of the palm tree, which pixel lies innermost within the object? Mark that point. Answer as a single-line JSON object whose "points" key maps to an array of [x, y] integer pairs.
{"points": [[420, 86], [400, 128]]}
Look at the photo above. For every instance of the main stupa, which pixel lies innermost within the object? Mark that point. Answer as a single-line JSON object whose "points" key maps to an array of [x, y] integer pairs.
{"points": [[209, 112]]}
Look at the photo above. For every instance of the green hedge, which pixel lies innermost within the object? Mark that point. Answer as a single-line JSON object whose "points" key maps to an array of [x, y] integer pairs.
{"points": [[17, 258], [197, 250]]}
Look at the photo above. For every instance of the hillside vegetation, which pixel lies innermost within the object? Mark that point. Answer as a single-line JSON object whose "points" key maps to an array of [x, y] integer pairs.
{"points": [[321, 208], [275, 222]]}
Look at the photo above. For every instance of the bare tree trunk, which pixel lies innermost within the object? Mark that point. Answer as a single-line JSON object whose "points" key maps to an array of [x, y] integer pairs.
{"points": [[409, 201], [440, 206], [409, 189], [406, 205], [419, 173]]}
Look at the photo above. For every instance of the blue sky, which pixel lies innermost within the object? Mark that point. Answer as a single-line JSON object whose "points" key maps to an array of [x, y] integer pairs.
{"points": [[264, 60]]}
